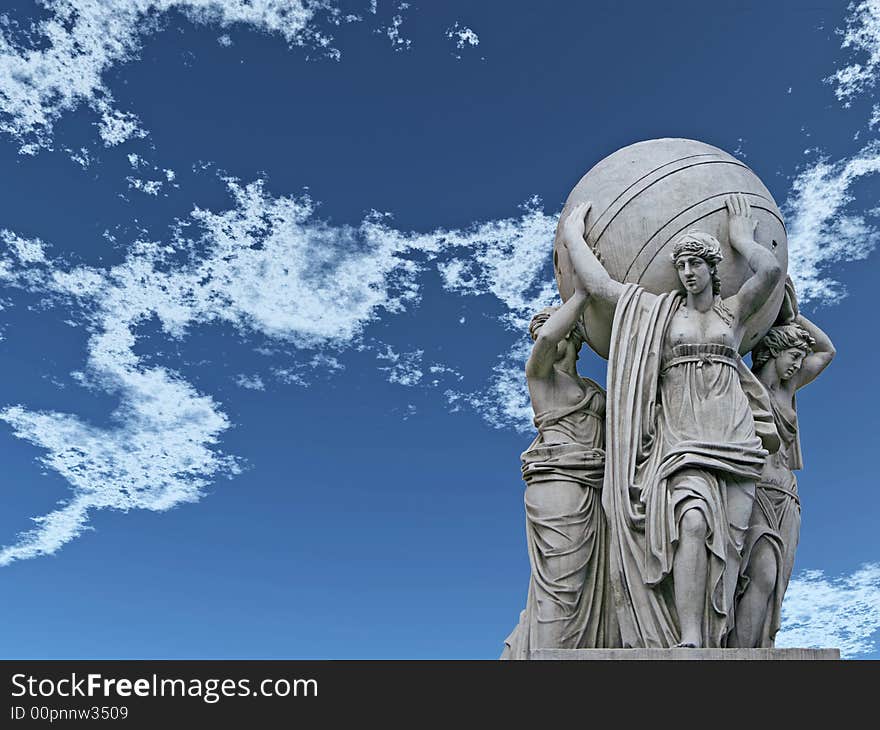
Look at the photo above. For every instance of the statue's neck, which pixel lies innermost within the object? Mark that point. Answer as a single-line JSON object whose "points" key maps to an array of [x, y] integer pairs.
{"points": [[702, 301], [766, 375]]}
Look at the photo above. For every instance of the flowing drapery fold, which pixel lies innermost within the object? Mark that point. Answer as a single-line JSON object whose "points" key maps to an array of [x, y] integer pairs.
{"points": [[566, 545], [688, 433]]}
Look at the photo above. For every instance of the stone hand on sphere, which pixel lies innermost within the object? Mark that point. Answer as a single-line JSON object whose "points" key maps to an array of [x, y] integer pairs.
{"points": [[741, 225]]}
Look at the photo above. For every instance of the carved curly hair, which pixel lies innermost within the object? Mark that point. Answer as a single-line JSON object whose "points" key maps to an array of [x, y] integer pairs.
{"points": [[704, 245], [779, 339]]}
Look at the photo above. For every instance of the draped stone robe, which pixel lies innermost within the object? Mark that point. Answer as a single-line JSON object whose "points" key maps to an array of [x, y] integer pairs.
{"points": [[776, 516], [579, 592], [651, 435]]}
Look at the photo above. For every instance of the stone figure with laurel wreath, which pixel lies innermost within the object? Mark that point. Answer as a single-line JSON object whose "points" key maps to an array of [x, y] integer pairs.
{"points": [[687, 437], [791, 355], [670, 257]]}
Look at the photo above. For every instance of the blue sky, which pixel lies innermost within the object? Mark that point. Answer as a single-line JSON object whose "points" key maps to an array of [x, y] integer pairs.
{"points": [[265, 271]]}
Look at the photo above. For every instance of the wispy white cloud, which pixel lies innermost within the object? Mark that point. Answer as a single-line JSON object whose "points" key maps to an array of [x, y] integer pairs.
{"points": [[504, 401], [262, 265], [861, 35], [60, 63], [290, 376], [161, 447], [249, 382], [304, 371], [822, 228], [462, 37], [25, 250], [439, 371], [158, 455], [81, 157], [326, 363], [150, 187], [268, 265], [393, 32], [116, 127], [509, 259], [273, 268], [265, 265], [829, 612], [405, 368]]}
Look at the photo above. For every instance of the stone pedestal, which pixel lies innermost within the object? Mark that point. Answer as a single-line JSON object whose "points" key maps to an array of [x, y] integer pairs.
{"points": [[684, 654]]}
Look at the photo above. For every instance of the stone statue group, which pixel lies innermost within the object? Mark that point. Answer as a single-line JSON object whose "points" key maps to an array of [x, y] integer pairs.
{"points": [[665, 511]]}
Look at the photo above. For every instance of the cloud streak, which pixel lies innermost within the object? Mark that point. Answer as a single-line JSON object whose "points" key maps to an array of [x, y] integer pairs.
{"points": [[462, 37], [842, 612], [862, 37], [823, 227], [822, 230], [265, 265], [59, 64], [268, 265]]}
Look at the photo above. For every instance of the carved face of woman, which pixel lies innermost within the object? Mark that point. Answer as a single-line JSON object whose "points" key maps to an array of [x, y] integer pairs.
{"points": [[788, 362], [694, 273]]}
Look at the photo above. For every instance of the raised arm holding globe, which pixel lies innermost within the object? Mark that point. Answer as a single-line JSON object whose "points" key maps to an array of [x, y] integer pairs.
{"points": [[791, 355], [567, 604], [682, 486], [673, 256]]}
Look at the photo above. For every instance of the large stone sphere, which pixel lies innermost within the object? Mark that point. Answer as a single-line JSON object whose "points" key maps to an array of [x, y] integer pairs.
{"points": [[643, 196]]}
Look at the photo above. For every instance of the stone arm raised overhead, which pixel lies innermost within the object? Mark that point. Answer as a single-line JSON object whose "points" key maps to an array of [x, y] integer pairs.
{"points": [[588, 270], [766, 269], [552, 332], [819, 359]]}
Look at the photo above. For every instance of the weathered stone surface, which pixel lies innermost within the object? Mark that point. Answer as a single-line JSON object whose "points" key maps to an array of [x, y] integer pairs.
{"points": [[684, 654], [677, 250], [647, 193], [568, 603]]}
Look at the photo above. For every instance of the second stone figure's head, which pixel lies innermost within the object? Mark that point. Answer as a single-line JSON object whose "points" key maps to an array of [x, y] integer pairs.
{"points": [[786, 347], [696, 256], [574, 339]]}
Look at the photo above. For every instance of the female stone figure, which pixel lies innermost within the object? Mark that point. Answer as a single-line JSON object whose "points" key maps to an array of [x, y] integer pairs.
{"points": [[688, 430], [563, 469], [789, 357]]}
